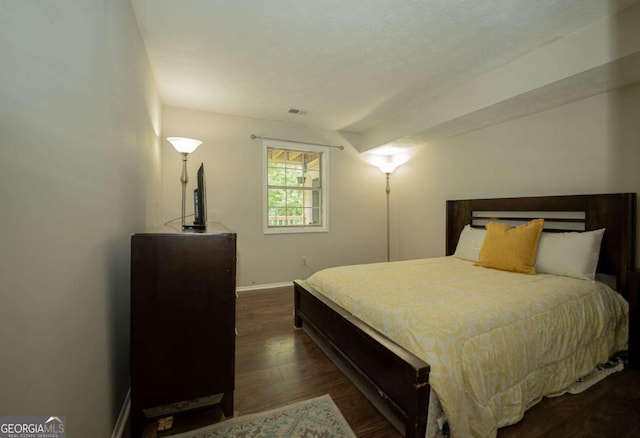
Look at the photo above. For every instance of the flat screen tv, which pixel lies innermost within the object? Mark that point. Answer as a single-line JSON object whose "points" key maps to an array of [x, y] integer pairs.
{"points": [[200, 201]]}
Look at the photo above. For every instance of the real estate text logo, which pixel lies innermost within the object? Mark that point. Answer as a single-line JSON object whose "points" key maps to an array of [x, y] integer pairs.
{"points": [[32, 427]]}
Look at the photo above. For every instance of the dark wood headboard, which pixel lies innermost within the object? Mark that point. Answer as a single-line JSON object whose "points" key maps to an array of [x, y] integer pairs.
{"points": [[616, 212]]}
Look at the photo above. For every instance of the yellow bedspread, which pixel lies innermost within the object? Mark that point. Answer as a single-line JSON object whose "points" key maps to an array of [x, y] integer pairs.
{"points": [[496, 341]]}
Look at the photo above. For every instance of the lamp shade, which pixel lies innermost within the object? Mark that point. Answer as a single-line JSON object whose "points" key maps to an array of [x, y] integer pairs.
{"points": [[184, 145], [386, 164]]}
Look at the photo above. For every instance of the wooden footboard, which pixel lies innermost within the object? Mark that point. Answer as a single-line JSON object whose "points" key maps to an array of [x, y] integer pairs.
{"points": [[393, 379]]}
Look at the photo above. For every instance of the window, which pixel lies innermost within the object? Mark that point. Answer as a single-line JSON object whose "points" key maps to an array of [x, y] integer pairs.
{"points": [[295, 188]]}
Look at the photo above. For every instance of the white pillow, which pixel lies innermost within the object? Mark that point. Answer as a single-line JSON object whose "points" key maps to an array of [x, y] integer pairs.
{"points": [[569, 254], [470, 243]]}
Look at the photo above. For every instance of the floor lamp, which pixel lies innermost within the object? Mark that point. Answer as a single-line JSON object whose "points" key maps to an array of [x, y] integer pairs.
{"points": [[387, 165], [185, 146]]}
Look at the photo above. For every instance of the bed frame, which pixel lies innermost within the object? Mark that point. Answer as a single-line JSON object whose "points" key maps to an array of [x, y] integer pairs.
{"points": [[396, 381]]}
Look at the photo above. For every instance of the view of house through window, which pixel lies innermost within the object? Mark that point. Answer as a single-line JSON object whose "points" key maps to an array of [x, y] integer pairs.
{"points": [[295, 189]]}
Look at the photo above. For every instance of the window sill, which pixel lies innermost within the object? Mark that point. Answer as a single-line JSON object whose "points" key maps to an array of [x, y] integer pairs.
{"points": [[295, 230]]}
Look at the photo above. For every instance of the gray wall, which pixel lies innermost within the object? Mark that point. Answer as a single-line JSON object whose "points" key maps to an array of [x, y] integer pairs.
{"points": [[589, 146], [79, 172], [233, 164]]}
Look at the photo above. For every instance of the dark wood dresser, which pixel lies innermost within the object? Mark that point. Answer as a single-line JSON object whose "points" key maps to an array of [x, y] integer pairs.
{"points": [[182, 322]]}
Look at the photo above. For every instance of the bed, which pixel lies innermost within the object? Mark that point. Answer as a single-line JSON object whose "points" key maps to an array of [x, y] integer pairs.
{"points": [[396, 380]]}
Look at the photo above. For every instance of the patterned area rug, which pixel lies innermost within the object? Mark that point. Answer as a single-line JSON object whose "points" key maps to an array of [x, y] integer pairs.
{"points": [[315, 418]]}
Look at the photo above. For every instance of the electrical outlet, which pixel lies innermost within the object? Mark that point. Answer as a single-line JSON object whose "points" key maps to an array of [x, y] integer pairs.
{"points": [[304, 261]]}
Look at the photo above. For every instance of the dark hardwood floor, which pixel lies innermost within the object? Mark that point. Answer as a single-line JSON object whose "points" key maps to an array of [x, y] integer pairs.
{"points": [[278, 365]]}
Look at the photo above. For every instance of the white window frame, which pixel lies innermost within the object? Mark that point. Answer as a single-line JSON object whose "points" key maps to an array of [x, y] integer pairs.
{"points": [[324, 173]]}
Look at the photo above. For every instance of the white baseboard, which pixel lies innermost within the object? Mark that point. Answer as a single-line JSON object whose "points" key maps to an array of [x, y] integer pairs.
{"points": [[263, 286], [123, 418]]}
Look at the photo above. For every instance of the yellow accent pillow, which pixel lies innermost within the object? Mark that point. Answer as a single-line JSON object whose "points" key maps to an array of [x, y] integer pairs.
{"points": [[511, 248]]}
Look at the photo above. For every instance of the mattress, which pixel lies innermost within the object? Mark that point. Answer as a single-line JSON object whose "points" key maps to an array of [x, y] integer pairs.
{"points": [[496, 341]]}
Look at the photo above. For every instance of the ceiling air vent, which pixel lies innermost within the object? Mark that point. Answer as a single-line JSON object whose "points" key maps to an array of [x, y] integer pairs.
{"points": [[297, 111]]}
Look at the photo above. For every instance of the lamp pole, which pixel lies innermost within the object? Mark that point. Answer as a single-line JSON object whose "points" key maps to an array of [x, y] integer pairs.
{"points": [[184, 179], [387, 164], [388, 190]]}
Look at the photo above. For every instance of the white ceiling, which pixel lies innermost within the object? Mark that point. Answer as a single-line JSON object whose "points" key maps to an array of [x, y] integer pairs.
{"points": [[352, 64]]}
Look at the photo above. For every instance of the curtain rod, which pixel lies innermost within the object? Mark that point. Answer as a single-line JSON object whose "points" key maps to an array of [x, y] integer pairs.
{"points": [[253, 137]]}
